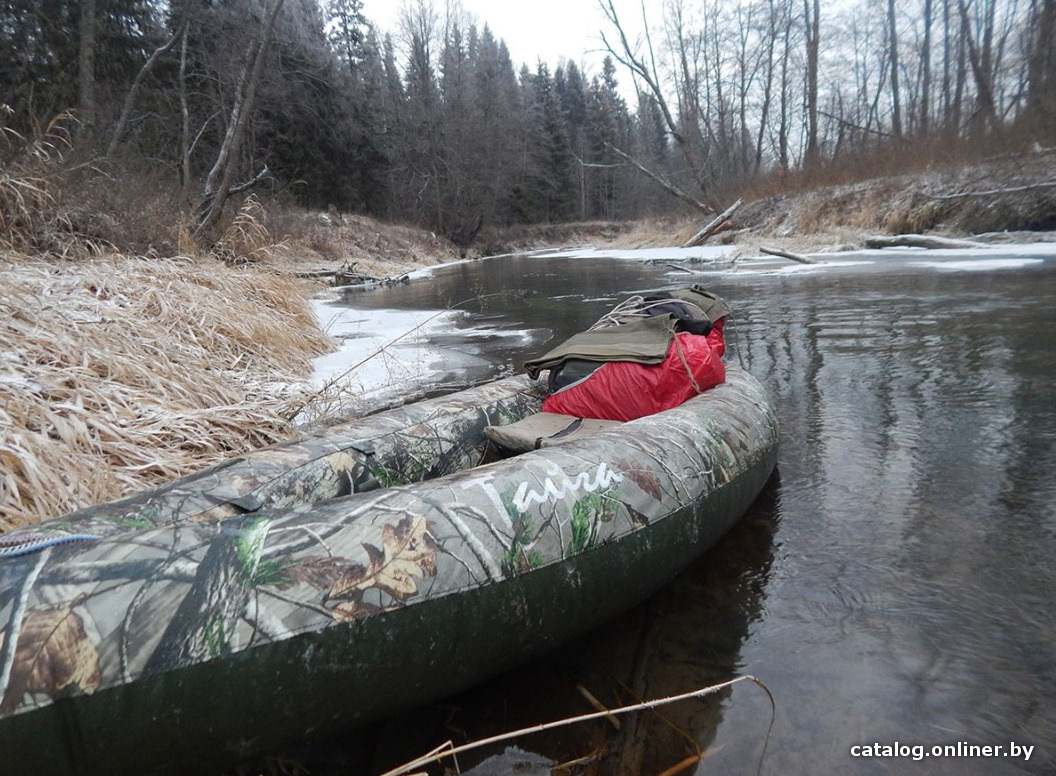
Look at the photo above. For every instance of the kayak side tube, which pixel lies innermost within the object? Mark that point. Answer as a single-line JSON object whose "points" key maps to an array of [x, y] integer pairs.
{"points": [[197, 641], [414, 442]]}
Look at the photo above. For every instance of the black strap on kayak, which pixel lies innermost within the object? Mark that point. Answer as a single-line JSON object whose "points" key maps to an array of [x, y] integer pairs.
{"points": [[569, 429]]}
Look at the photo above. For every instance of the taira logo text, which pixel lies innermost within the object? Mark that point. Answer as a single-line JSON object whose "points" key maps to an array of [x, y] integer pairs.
{"points": [[601, 478]]}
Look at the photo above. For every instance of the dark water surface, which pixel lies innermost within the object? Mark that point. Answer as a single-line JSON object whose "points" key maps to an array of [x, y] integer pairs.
{"points": [[896, 581]]}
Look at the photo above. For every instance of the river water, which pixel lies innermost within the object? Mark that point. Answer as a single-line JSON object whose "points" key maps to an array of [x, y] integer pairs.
{"points": [[895, 581]]}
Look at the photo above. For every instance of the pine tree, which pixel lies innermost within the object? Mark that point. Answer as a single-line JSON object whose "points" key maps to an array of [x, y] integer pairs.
{"points": [[372, 128], [347, 30], [549, 189]]}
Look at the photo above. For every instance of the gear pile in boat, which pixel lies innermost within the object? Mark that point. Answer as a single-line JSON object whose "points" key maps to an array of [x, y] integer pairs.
{"points": [[649, 354]]}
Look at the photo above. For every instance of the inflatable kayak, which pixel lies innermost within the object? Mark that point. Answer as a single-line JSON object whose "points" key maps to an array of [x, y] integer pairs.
{"points": [[375, 566]]}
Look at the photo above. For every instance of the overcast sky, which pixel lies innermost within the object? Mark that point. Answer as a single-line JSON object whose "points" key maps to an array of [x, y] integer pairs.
{"points": [[535, 29]]}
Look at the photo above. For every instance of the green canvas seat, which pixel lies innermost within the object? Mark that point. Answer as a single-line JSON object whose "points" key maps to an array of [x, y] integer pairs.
{"points": [[545, 429]]}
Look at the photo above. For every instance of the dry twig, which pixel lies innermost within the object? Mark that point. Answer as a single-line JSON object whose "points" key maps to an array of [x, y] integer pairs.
{"points": [[651, 704]]}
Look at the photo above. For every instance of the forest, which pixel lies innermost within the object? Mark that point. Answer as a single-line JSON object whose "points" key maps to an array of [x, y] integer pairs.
{"points": [[433, 123]]}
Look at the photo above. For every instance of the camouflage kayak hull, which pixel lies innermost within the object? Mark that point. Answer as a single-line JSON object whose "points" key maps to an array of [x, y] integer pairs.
{"points": [[179, 646], [411, 443]]}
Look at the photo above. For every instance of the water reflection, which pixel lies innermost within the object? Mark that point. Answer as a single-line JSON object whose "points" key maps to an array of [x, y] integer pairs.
{"points": [[897, 583]]}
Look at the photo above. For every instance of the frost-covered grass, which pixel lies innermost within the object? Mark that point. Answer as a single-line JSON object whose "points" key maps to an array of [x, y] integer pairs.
{"points": [[120, 373]]}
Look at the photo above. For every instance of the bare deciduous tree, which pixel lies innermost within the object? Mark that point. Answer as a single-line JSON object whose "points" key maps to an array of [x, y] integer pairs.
{"points": [[896, 100], [219, 184], [86, 66], [812, 28], [925, 71], [133, 91]]}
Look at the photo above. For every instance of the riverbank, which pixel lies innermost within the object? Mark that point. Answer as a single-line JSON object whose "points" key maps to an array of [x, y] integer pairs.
{"points": [[121, 372], [1011, 198]]}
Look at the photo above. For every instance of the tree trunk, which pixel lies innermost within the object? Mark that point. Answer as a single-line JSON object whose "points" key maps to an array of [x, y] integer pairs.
{"points": [[712, 227], [958, 96], [86, 68], [767, 88], [812, 24], [133, 91], [219, 181], [185, 123], [646, 71], [788, 255], [946, 62], [782, 129], [928, 241], [665, 184], [896, 103], [925, 72], [1040, 83], [982, 76]]}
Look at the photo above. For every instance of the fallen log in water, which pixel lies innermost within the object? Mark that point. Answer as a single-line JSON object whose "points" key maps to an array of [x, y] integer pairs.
{"points": [[789, 255], [316, 274], [716, 225], [359, 280], [930, 242], [347, 275], [346, 278]]}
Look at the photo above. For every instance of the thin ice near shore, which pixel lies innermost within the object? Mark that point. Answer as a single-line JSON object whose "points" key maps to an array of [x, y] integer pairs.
{"points": [[984, 259], [384, 354]]}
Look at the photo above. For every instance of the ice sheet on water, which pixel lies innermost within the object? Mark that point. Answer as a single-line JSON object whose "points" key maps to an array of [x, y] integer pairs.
{"points": [[437, 343], [701, 253], [978, 265]]}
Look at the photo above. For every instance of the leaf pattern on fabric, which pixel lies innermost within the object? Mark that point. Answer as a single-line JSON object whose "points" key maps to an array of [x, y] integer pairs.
{"points": [[587, 512], [321, 573], [642, 477], [54, 655], [408, 554], [354, 610]]}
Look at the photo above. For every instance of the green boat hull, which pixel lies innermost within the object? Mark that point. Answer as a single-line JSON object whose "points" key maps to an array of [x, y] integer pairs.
{"points": [[426, 608], [235, 708]]}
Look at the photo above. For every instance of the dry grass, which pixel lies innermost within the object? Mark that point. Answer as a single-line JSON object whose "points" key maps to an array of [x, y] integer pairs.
{"points": [[29, 168], [812, 213], [117, 374], [317, 240], [520, 237], [905, 157], [247, 238]]}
